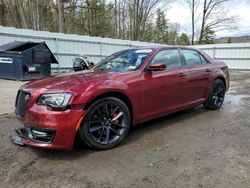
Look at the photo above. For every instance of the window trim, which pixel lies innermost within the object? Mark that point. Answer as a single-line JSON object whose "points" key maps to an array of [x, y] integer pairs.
{"points": [[201, 56]]}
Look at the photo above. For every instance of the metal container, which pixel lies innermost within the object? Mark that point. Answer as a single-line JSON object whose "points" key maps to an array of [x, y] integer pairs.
{"points": [[25, 60]]}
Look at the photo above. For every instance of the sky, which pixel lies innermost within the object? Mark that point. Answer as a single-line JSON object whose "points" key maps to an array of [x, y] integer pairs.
{"points": [[180, 13]]}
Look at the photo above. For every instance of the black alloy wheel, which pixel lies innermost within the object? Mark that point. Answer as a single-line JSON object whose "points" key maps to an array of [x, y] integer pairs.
{"points": [[216, 96], [106, 124]]}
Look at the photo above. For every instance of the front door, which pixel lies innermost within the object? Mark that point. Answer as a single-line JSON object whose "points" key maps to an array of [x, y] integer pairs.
{"points": [[165, 90]]}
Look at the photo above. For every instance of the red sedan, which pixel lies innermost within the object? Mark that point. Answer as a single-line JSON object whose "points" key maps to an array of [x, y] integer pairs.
{"points": [[126, 88]]}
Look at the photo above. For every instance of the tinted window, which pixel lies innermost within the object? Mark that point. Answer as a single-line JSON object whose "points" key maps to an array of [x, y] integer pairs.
{"points": [[169, 57], [192, 57]]}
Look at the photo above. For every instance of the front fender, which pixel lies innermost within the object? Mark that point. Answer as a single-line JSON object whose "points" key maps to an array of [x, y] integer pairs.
{"points": [[94, 90]]}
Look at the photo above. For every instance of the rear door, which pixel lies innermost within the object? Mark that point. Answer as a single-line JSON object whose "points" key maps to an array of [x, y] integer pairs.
{"points": [[165, 91], [199, 77]]}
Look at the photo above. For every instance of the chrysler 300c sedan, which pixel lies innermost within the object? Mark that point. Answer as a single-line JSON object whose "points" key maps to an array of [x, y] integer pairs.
{"points": [[124, 89]]}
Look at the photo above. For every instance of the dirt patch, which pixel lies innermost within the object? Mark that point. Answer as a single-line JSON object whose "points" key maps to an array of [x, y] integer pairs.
{"points": [[192, 148]]}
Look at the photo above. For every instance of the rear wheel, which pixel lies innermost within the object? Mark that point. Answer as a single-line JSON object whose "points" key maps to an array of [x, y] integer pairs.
{"points": [[216, 96], [106, 124]]}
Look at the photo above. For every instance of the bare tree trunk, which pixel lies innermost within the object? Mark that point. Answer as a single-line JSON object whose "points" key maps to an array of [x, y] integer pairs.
{"points": [[203, 20], [93, 28], [37, 16], [33, 13], [123, 21], [115, 19], [14, 18], [22, 15], [88, 17], [134, 19], [193, 12], [193, 5], [119, 19], [2, 13], [60, 16]]}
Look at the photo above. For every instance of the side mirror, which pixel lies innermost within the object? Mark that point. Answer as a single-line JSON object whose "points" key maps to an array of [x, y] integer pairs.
{"points": [[157, 67]]}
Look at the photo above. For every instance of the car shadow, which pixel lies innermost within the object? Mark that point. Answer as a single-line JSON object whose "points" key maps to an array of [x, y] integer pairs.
{"points": [[137, 132]]}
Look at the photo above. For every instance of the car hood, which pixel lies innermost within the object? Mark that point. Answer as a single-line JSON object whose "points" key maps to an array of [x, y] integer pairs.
{"points": [[64, 82]]}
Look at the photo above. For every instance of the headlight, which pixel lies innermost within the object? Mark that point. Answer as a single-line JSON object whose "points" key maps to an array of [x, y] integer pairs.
{"points": [[56, 100]]}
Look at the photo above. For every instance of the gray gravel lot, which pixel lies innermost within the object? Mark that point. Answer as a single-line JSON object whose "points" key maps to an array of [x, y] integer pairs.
{"points": [[192, 148]]}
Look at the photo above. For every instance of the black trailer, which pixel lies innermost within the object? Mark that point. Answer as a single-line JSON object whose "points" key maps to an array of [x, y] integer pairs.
{"points": [[25, 60]]}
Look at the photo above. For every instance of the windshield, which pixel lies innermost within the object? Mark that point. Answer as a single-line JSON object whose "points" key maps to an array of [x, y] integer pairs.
{"points": [[128, 60]]}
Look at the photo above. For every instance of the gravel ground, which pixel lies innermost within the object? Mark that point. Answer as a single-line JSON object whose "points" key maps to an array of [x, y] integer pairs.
{"points": [[8, 95], [192, 148]]}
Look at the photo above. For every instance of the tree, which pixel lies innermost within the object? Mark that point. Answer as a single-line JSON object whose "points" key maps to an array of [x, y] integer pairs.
{"points": [[214, 18], [61, 20], [149, 33], [34, 13], [193, 5], [173, 33], [161, 30], [126, 19], [139, 11], [208, 36], [102, 25], [183, 39], [3, 12]]}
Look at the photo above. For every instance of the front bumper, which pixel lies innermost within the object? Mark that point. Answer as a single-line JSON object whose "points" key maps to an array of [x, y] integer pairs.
{"points": [[49, 129], [38, 135]]}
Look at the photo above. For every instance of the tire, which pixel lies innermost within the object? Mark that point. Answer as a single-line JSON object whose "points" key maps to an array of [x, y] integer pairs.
{"points": [[216, 96], [106, 124]]}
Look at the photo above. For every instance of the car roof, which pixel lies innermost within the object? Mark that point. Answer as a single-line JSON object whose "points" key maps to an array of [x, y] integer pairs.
{"points": [[157, 47]]}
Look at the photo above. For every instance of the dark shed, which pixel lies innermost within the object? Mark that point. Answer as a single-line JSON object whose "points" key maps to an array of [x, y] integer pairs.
{"points": [[25, 60]]}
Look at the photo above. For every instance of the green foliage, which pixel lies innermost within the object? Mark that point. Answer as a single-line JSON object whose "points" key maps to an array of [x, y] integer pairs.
{"points": [[149, 33], [115, 19], [208, 36], [161, 30], [101, 25], [183, 39]]}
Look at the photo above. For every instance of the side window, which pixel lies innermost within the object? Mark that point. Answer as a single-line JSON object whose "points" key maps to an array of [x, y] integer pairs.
{"points": [[192, 57], [169, 57]]}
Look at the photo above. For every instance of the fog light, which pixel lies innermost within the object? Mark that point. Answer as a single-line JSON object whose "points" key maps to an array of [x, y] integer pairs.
{"points": [[39, 133]]}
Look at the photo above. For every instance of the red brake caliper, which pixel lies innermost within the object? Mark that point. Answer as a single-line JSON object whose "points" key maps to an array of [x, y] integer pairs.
{"points": [[116, 121]]}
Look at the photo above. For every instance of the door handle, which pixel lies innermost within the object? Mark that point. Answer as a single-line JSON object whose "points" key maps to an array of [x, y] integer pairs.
{"points": [[208, 70], [182, 74]]}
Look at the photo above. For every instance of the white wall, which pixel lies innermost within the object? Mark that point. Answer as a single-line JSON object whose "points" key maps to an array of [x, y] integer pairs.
{"points": [[67, 46], [235, 55]]}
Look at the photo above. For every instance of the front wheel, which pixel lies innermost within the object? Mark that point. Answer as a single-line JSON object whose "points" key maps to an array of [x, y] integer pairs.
{"points": [[216, 96], [106, 123]]}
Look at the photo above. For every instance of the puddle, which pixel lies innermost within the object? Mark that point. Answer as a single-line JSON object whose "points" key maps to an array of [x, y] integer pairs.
{"points": [[236, 102]]}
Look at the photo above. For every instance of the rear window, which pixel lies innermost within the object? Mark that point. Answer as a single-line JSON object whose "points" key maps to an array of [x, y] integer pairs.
{"points": [[193, 58]]}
